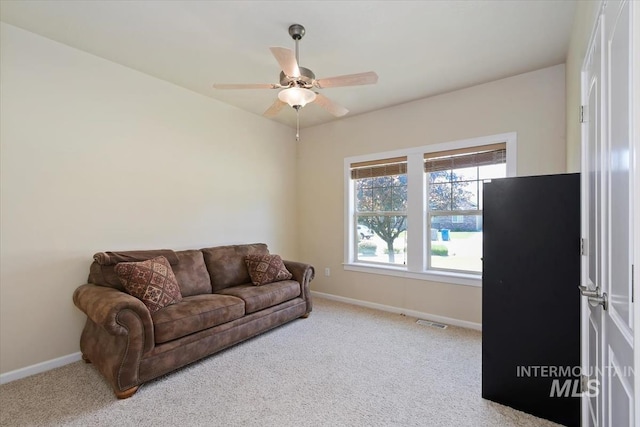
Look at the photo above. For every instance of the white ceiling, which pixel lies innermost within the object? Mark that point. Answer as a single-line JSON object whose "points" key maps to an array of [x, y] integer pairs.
{"points": [[418, 48]]}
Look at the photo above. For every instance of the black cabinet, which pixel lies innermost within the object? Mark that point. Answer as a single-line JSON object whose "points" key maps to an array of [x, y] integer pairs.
{"points": [[530, 297]]}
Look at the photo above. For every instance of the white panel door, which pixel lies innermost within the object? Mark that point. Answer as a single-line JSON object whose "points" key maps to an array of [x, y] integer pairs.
{"points": [[608, 222]]}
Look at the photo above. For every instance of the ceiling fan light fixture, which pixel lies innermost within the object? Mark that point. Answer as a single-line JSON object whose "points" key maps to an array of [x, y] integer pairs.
{"points": [[297, 96]]}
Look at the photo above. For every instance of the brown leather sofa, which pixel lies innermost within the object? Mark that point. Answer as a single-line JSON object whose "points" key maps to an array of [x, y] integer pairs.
{"points": [[220, 307]]}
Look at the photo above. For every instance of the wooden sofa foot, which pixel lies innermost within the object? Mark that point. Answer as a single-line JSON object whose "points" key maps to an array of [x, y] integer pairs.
{"points": [[86, 359], [125, 394], [304, 316]]}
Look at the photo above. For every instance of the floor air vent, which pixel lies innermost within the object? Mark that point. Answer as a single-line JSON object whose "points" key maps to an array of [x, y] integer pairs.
{"points": [[432, 324]]}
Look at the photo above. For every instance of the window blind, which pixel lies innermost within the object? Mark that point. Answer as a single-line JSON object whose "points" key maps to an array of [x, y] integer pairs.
{"points": [[466, 157], [376, 168]]}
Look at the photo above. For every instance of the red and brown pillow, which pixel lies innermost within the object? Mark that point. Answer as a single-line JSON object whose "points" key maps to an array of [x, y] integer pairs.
{"points": [[152, 281], [265, 269]]}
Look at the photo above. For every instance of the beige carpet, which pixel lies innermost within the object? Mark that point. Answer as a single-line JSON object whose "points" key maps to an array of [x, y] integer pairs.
{"points": [[343, 366]]}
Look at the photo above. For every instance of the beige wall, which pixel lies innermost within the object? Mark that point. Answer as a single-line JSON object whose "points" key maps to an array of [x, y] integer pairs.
{"points": [[583, 23], [530, 104], [96, 156]]}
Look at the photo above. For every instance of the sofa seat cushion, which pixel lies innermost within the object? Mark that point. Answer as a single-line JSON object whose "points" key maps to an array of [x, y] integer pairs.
{"points": [[194, 314], [257, 298]]}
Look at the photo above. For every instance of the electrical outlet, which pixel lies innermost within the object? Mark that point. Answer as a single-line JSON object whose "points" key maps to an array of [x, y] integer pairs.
{"points": [[327, 271]]}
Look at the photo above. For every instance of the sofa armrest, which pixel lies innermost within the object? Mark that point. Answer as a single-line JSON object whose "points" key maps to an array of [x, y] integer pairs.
{"points": [[303, 274], [109, 308]]}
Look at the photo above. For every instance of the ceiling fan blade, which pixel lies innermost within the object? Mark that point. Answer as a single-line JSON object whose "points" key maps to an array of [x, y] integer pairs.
{"points": [[335, 109], [367, 78], [287, 60], [246, 86], [275, 108]]}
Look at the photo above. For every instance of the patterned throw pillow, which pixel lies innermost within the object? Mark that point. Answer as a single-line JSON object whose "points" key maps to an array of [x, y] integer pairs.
{"points": [[151, 281], [265, 269]]}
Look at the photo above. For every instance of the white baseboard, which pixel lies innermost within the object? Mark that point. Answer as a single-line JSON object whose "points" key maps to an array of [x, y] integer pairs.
{"points": [[412, 313], [39, 367]]}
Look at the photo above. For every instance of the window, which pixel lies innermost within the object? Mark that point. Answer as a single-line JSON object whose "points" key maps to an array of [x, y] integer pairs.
{"points": [[454, 209], [380, 190], [418, 212]]}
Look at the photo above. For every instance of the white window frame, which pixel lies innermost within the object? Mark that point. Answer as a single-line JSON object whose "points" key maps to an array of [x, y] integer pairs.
{"points": [[416, 266]]}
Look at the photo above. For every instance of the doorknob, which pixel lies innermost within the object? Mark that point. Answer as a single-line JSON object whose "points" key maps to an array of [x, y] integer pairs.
{"points": [[594, 297], [598, 300], [590, 293]]}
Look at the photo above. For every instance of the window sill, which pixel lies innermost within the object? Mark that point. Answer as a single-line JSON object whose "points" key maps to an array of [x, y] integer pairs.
{"points": [[431, 276]]}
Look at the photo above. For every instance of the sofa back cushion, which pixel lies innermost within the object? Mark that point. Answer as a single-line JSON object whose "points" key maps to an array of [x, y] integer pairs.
{"points": [[226, 264], [191, 273], [102, 271]]}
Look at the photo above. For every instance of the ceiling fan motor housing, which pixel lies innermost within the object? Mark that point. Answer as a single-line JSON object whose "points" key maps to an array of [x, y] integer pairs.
{"points": [[305, 79]]}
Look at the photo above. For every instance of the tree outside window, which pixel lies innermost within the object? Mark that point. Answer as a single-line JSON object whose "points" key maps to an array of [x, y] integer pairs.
{"points": [[380, 190], [381, 205]]}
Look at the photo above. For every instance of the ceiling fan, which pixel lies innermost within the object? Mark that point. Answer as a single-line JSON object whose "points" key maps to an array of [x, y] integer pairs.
{"points": [[299, 85]]}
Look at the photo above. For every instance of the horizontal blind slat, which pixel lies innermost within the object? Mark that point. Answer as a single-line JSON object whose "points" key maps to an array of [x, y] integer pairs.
{"points": [[377, 168], [379, 162], [468, 150], [436, 162]]}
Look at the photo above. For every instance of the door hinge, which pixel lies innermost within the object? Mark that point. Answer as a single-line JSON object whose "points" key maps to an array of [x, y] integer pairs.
{"points": [[583, 246], [583, 110]]}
